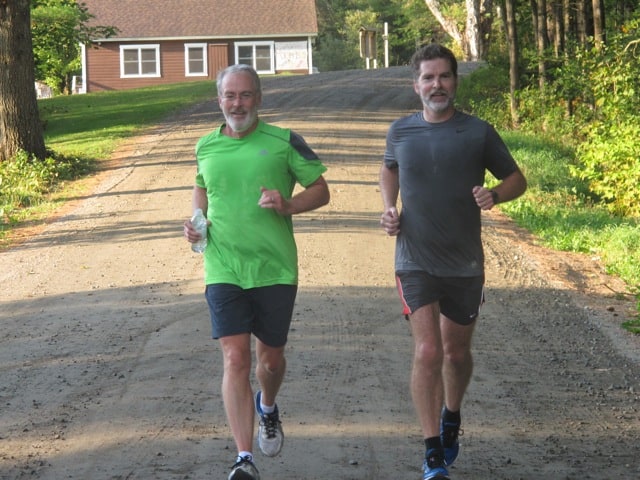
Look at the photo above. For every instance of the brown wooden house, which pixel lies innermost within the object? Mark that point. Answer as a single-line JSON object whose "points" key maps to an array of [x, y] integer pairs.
{"points": [[169, 41]]}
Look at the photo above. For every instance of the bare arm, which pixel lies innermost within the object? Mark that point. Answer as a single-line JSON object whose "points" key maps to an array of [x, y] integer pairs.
{"points": [[510, 188], [198, 200], [389, 189], [313, 196]]}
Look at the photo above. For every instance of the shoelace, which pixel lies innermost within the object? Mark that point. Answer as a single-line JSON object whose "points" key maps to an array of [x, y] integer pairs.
{"points": [[271, 422], [434, 459], [240, 460], [450, 434]]}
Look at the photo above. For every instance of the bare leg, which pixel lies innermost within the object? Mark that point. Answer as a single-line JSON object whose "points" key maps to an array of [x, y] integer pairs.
{"points": [[270, 370], [427, 390], [236, 389], [458, 361]]}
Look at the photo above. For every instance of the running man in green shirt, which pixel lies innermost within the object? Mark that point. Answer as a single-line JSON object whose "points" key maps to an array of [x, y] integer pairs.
{"points": [[247, 171]]}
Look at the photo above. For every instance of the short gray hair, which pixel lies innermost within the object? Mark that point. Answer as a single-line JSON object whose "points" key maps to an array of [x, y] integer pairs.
{"points": [[240, 68]]}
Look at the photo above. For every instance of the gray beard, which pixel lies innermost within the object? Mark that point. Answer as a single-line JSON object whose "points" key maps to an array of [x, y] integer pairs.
{"points": [[437, 106], [241, 127]]}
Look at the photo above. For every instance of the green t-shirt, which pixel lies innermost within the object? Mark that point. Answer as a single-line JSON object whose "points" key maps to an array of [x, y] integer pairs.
{"points": [[248, 245]]}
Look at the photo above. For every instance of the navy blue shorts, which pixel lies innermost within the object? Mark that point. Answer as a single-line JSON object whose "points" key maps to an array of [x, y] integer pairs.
{"points": [[264, 311], [460, 298]]}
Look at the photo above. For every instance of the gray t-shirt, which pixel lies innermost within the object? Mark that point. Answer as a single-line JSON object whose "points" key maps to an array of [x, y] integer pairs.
{"points": [[439, 164]]}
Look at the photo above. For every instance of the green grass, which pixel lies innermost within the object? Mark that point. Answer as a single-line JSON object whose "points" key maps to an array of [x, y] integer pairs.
{"points": [[80, 131], [633, 325], [91, 125], [557, 209]]}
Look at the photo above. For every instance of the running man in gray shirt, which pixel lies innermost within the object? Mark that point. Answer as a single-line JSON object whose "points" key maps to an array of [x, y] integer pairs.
{"points": [[436, 161]]}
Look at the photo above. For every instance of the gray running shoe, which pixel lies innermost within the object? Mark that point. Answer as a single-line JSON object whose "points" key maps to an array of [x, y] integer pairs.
{"points": [[244, 469], [270, 434]]}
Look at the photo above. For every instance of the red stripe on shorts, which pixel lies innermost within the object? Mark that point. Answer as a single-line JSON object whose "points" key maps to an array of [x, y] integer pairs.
{"points": [[405, 308]]}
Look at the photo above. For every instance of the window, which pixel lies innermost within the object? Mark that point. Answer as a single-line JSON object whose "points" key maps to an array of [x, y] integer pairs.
{"points": [[195, 59], [139, 61], [257, 54]]}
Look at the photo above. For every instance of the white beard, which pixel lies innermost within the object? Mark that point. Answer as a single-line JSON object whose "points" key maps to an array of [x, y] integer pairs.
{"points": [[241, 125]]}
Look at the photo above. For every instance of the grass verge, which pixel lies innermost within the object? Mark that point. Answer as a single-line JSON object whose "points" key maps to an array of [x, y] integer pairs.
{"points": [[557, 209], [80, 131]]}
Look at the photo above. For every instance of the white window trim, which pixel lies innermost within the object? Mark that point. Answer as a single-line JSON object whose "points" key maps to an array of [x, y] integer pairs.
{"points": [[155, 47], [205, 60], [272, 50]]}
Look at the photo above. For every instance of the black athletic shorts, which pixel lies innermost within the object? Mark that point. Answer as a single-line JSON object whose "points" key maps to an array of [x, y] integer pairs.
{"points": [[264, 311], [460, 298]]}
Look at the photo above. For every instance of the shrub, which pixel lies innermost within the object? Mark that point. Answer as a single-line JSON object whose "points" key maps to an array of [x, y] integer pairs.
{"points": [[25, 180], [609, 163]]}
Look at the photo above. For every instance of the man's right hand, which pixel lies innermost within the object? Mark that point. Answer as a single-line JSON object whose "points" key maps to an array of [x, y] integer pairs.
{"points": [[190, 233], [390, 221]]}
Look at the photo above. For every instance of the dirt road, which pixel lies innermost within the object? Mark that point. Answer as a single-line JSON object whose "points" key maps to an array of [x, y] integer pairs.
{"points": [[107, 369]]}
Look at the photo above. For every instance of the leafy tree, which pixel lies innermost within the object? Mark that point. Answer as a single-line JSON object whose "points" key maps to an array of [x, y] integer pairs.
{"points": [[20, 127], [608, 157], [338, 45], [58, 28], [410, 25], [469, 25], [510, 27]]}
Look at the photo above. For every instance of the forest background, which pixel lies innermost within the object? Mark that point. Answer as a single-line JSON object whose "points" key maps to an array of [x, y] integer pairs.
{"points": [[560, 80]]}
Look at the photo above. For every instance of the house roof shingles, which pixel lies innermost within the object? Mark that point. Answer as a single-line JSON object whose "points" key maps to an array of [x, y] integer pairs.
{"points": [[170, 19]]}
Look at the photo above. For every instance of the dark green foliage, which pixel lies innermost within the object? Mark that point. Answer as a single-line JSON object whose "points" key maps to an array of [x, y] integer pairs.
{"points": [[337, 46], [58, 27], [25, 181]]}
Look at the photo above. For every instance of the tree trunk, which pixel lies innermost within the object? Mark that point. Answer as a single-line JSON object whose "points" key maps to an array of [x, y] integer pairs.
{"points": [[472, 32], [474, 40], [569, 24], [514, 71], [581, 23], [542, 41], [598, 23], [448, 25], [20, 127], [486, 25], [558, 28]]}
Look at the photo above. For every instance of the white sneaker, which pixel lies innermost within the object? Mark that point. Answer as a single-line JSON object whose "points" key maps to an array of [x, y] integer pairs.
{"points": [[270, 434]]}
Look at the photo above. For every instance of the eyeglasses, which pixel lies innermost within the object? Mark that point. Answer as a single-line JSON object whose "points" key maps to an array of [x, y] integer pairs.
{"points": [[244, 96]]}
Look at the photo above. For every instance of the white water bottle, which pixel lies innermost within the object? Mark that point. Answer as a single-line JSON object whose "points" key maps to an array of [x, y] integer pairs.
{"points": [[199, 222]]}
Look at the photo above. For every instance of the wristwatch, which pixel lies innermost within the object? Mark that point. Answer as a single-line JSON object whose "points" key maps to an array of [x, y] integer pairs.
{"points": [[495, 197]]}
